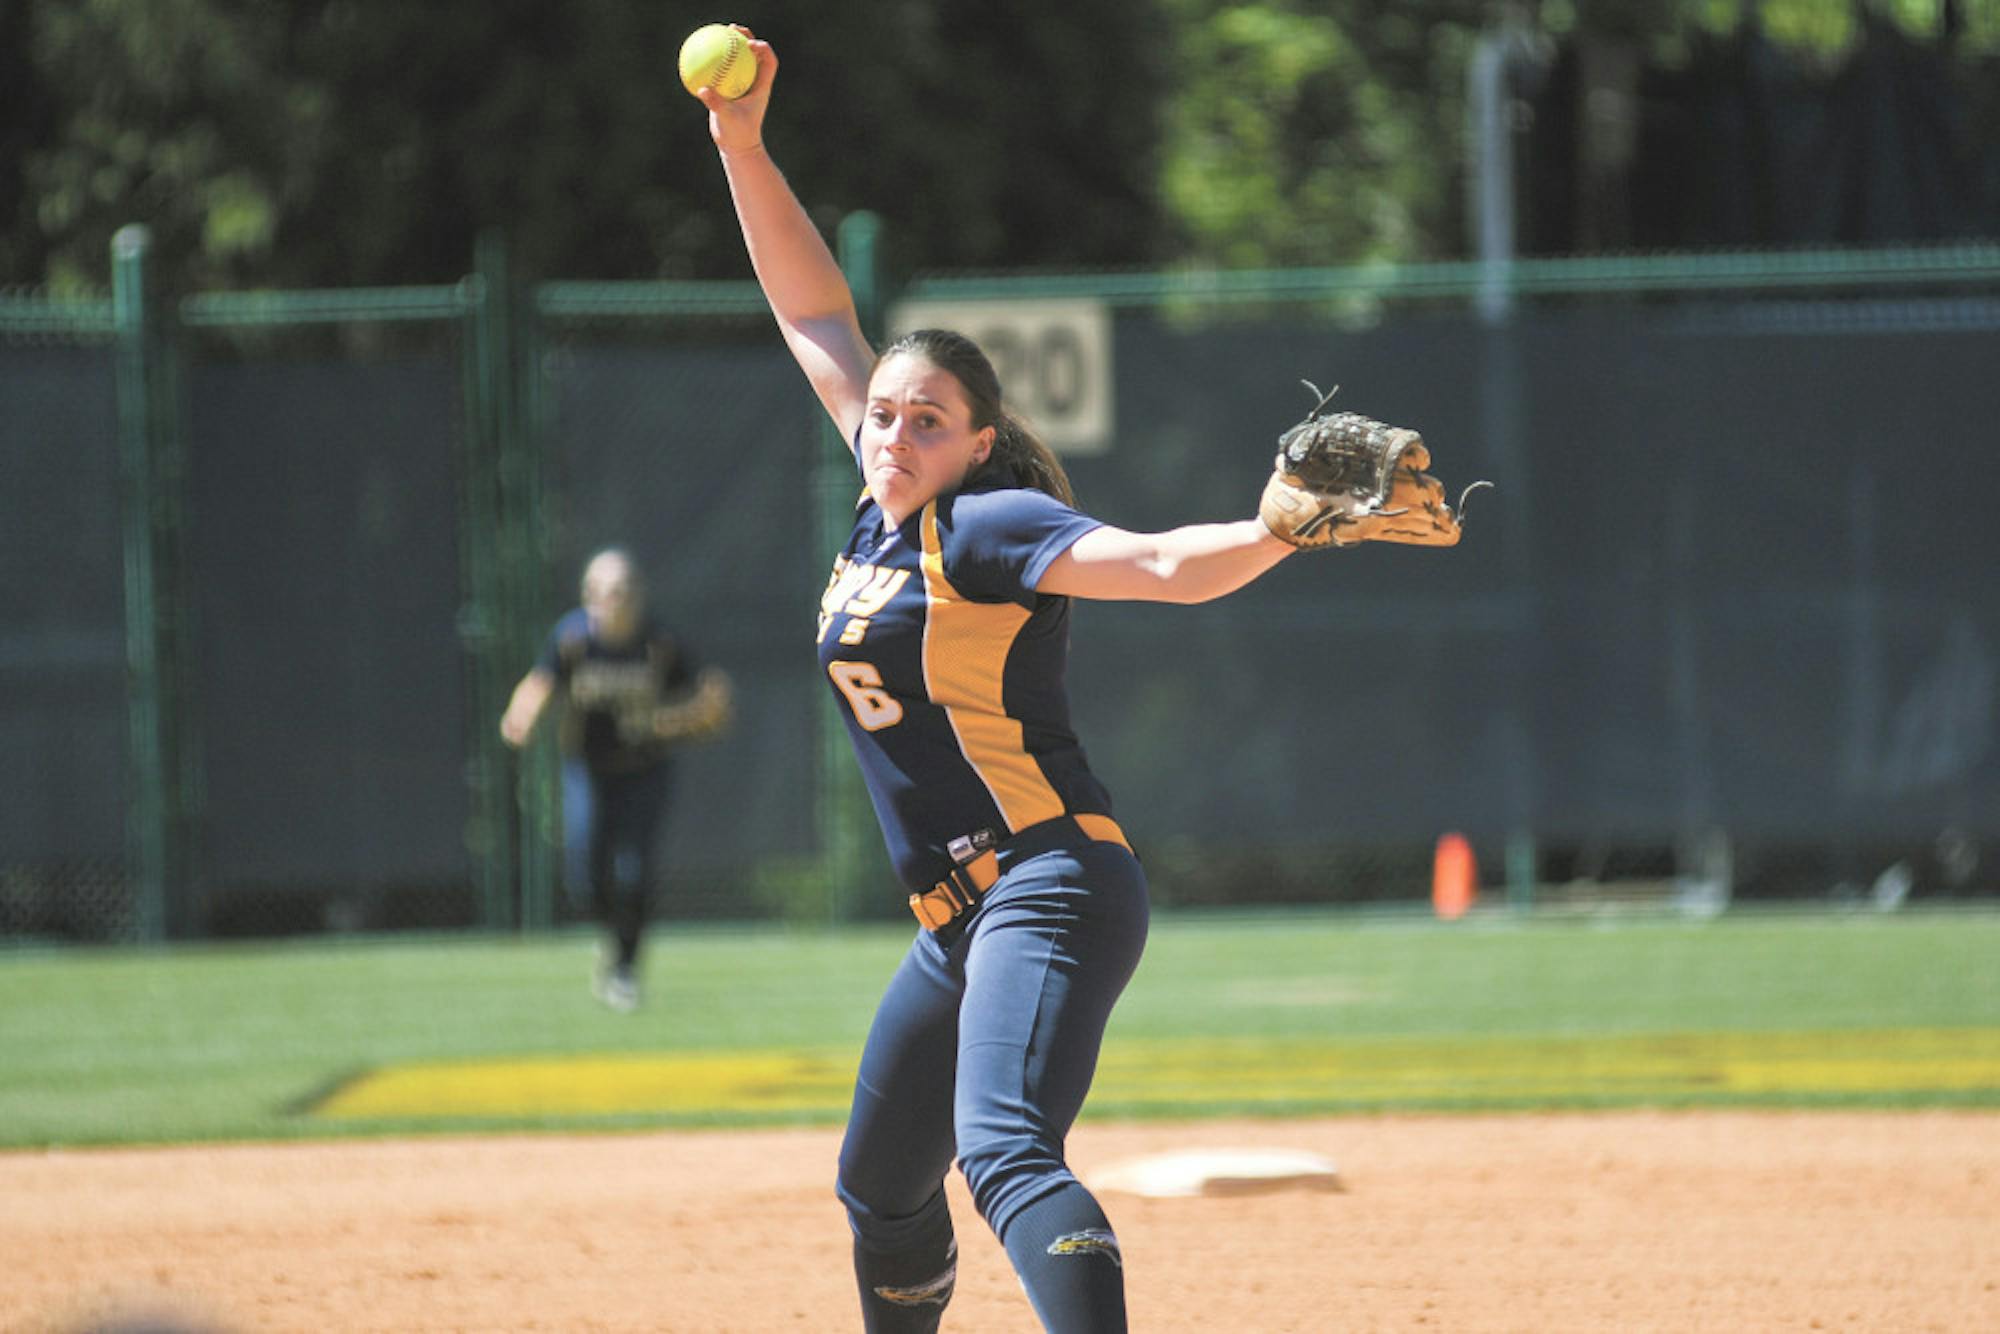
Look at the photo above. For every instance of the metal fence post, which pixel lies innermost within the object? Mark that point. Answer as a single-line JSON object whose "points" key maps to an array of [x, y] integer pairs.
{"points": [[525, 556], [490, 768], [149, 472], [505, 561], [844, 818]]}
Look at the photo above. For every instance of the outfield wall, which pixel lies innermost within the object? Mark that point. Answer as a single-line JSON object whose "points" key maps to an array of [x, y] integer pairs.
{"points": [[1737, 587]]}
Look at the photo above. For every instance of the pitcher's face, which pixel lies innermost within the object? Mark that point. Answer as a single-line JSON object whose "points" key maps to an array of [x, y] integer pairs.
{"points": [[917, 439]]}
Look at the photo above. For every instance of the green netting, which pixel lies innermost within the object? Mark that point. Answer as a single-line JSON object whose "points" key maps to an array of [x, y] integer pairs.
{"points": [[1707, 625]]}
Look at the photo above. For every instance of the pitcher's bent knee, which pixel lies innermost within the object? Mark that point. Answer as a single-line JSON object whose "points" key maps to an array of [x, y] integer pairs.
{"points": [[881, 1229], [1008, 1174]]}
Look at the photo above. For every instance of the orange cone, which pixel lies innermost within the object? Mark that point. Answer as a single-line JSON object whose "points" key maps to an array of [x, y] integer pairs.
{"points": [[1454, 877]]}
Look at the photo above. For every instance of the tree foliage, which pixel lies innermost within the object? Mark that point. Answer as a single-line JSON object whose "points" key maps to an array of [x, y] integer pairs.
{"points": [[344, 142], [1314, 133], [332, 143]]}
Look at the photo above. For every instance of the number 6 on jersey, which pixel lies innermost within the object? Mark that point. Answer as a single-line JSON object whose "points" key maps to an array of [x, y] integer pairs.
{"points": [[874, 708]]}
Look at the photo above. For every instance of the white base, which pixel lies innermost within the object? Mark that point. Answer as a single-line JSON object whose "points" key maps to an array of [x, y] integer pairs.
{"points": [[1187, 1172]]}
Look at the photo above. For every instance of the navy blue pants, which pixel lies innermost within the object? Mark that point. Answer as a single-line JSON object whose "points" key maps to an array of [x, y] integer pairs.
{"points": [[611, 823], [983, 1048]]}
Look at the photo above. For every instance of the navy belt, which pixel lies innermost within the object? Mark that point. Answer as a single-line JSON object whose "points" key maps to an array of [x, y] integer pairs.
{"points": [[960, 891]]}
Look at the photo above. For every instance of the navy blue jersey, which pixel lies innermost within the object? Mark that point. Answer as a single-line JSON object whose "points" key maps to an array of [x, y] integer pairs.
{"points": [[949, 668], [612, 693]]}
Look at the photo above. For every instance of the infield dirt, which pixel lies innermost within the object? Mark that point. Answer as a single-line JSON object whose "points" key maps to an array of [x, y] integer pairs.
{"points": [[1614, 1221]]}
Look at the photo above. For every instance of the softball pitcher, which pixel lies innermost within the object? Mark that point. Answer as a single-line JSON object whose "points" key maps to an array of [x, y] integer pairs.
{"points": [[943, 633]]}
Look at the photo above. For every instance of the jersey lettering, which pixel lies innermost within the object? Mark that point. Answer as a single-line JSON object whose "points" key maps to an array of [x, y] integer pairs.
{"points": [[882, 585], [597, 684], [847, 579], [874, 708], [861, 590]]}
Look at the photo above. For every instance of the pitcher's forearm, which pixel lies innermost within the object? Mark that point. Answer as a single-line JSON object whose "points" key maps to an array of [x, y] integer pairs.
{"points": [[1207, 560], [1195, 563]]}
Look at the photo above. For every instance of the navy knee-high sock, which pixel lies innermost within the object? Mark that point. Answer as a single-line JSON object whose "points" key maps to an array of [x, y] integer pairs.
{"points": [[1063, 1249], [905, 1291]]}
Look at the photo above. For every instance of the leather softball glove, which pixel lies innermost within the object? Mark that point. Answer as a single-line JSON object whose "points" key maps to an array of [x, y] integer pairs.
{"points": [[1341, 479]]}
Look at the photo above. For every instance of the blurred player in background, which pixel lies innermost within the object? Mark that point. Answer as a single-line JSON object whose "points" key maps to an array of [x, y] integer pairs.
{"points": [[944, 633], [631, 691]]}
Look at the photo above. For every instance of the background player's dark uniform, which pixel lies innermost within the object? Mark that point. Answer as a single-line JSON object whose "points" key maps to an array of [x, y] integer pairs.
{"points": [[616, 772]]}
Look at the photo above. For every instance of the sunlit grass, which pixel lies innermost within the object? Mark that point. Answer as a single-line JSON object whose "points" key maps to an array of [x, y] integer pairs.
{"points": [[105, 1046]]}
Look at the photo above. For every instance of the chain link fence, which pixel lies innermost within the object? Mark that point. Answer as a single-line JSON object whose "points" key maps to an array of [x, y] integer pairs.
{"points": [[1706, 639], [65, 778]]}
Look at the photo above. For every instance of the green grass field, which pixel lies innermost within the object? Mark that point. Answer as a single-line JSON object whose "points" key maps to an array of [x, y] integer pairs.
{"points": [[1280, 1014]]}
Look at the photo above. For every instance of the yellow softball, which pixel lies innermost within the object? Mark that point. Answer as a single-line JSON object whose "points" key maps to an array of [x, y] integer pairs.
{"points": [[717, 56]]}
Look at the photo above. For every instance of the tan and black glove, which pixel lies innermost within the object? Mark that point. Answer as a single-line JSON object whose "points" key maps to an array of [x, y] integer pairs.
{"points": [[1342, 479]]}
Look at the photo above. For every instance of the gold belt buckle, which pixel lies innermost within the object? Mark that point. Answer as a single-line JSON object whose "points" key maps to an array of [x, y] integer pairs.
{"points": [[951, 896], [934, 910]]}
